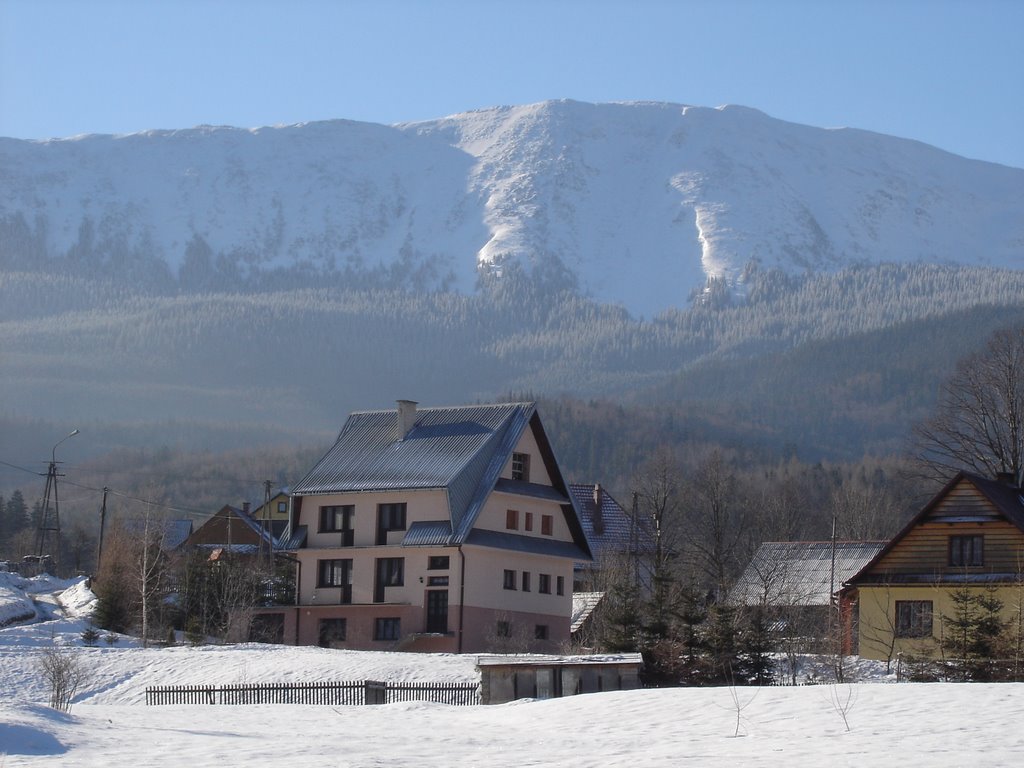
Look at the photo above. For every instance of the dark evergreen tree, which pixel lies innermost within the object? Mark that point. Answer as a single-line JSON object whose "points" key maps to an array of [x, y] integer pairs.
{"points": [[723, 660], [974, 637], [16, 513], [756, 647], [623, 619]]}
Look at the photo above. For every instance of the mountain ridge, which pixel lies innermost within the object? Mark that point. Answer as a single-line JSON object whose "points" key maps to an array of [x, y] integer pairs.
{"points": [[634, 203]]}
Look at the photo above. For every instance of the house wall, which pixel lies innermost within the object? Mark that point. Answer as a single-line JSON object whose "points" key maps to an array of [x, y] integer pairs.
{"points": [[421, 506], [485, 574], [877, 617], [276, 513], [360, 623], [493, 515], [925, 549], [527, 444], [364, 564], [501, 683], [480, 631]]}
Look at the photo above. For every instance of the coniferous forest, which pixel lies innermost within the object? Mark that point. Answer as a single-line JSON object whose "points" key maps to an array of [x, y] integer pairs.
{"points": [[194, 397]]}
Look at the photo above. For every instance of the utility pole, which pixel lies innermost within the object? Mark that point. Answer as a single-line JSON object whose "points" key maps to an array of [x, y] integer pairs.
{"points": [[634, 542], [103, 521], [266, 536], [48, 522]]}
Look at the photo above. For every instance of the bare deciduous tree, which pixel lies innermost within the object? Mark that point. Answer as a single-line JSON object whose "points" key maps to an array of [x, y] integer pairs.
{"points": [[63, 673], [717, 522], [659, 500], [979, 422]]}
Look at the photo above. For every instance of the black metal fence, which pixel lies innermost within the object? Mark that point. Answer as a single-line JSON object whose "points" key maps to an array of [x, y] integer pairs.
{"points": [[333, 693]]}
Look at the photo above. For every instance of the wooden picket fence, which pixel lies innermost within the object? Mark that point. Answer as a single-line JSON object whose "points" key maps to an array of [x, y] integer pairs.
{"points": [[332, 693]]}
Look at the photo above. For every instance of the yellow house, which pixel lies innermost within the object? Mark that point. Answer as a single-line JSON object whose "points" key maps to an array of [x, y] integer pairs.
{"points": [[435, 529], [970, 536]]}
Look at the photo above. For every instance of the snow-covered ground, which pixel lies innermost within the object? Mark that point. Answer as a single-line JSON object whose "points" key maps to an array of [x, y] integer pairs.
{"points": [[905, 725]]}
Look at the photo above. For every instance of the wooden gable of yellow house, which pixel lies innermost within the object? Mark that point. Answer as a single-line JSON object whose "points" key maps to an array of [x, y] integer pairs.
{"points": [[971, 532]]}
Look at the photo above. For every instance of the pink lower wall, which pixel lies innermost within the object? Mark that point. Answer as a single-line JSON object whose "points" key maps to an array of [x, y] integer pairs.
{"points": [[302, 627]]}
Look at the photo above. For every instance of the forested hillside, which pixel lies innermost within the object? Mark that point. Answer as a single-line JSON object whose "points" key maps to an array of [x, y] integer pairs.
{"points": [[820, 367]]}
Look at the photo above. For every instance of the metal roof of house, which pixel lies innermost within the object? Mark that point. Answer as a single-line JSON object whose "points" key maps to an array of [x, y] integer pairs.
{"points": [[619, 533], [540, 545], [460, 450], [442, 445], [428, 533], [295, 539], [783, 573]]}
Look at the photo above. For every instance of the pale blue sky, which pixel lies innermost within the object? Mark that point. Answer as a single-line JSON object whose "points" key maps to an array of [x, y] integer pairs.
{"points": [[947, 73]]}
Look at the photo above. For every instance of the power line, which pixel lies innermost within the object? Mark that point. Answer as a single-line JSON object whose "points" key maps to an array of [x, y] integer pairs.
{"points": [[149, 502], [230, 478], [127, 496], [23, 469]]}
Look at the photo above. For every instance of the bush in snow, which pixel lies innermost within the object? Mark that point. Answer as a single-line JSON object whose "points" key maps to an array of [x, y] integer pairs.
{"points": [[63, 673]]}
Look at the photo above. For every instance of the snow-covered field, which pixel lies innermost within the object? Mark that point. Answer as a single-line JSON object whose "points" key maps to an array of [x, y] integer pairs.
{"points": [[905, 725]]}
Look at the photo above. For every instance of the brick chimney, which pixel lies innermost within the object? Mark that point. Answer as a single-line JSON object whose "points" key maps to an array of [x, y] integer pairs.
{"points": [[245, 507], [598, 509], [406, 418]]}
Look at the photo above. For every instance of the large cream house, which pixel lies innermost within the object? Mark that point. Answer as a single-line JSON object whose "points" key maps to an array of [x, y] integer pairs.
{"points": [[435, 529]]}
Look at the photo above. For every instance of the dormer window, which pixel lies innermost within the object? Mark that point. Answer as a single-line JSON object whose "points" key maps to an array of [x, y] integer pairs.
{"points": [[521, 466], [967, 551]]}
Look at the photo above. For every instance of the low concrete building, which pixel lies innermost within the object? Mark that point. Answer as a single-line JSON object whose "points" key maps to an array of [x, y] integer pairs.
{"points": [[507, 678]]}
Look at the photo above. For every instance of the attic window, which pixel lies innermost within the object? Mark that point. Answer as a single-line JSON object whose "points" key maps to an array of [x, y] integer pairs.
{"points": [[967, 551], [521, 466]]}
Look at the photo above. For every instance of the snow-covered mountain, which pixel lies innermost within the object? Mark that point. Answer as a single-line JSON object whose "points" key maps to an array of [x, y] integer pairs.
{"points": [[639, 202]]}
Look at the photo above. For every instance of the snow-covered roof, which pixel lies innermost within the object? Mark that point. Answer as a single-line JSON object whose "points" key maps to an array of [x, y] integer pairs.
{"points": [[583, 605], [800, 572]]}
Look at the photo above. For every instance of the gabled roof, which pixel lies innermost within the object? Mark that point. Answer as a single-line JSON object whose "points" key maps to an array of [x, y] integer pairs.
{"points": [[1005, 499], [267, 535], [619, 532], [458, 449], [790, 573]]}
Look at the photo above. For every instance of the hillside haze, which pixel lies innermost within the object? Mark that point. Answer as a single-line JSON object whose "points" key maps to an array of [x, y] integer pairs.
{"points": [[217, 287], [636, 204]]}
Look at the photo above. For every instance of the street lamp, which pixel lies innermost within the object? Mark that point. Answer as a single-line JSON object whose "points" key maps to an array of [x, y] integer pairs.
{"points": [[53, 455], [45, 523]]}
